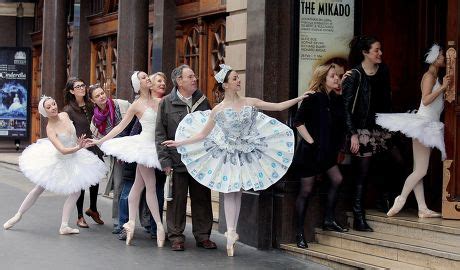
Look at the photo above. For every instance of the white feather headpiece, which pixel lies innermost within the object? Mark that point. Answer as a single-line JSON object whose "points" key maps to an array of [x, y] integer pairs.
{"points": [[41, 105], [432, 54], [135, 82], [220, 76]]}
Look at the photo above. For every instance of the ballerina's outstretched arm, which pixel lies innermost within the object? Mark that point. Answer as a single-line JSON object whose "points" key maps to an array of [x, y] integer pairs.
{"points": [[197, 137], [118, 128], [270, 106]]}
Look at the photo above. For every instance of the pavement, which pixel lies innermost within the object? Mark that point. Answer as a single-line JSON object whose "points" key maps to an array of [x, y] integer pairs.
{"points": [[34, 243]]}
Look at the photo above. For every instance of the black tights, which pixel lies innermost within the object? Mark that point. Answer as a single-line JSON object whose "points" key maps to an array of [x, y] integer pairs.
{"points": [[305, 190], [93, 191], [361, 167]]}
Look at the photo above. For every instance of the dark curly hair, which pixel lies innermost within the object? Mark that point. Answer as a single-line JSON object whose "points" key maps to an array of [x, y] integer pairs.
{"points": [[357, 45]]}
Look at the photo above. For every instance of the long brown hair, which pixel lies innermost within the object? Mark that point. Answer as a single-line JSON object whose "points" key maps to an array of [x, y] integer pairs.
{"points": [[69, 97], [318, 80]]}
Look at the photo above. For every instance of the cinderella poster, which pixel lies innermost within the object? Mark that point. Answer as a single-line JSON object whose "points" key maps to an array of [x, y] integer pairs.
{"points": [[14, 91]]}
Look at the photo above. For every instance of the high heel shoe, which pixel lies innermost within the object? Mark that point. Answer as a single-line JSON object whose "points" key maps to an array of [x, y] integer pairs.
{"points": [[397, 206], [129, 227], [161, 236], [300, 240], [10, 223], [232, 237], [427, 213]]}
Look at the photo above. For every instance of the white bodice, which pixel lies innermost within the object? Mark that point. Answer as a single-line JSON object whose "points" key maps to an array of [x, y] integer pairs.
{"points": [[148, 121], [434, 109], [68, 139]]}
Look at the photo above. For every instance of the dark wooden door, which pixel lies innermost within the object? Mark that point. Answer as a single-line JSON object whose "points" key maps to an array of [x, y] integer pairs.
{"points": [[451, 168], [406, 30]]}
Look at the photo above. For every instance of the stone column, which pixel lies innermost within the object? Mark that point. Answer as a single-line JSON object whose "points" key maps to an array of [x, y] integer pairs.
{"points": [[164, 37], [81, 45], [132, 43], [54, 51]]}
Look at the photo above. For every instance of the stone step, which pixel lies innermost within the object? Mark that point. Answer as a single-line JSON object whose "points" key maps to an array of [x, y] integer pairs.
{"points": [[338, 258], [403, 249], [407, 224]]}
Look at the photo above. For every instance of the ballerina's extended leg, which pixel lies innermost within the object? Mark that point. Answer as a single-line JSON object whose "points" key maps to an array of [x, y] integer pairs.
{"points": [[232, 206], [30, 200], [66, 210], [413, 182]]}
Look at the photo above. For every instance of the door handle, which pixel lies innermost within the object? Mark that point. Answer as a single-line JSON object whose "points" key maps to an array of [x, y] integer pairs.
{"points": [[451, 70]]}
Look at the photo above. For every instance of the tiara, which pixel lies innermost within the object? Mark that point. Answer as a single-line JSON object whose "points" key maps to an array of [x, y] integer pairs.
{"points": [[220, 76]]}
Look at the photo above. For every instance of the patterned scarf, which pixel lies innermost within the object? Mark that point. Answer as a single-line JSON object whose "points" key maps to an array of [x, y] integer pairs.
{"points": [[100, 117]]}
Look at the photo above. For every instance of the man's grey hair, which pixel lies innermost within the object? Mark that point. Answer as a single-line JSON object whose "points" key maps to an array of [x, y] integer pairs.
{"points": [[177, 72]]}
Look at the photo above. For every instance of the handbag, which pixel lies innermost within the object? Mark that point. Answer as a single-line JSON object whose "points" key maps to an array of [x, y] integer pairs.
{"points": [[357, 91], [168, 189]]}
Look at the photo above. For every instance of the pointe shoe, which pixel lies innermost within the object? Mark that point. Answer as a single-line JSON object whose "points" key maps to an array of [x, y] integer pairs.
{"points": [[397, 206], [232, 237], [10, 223], [129, 227], [427, 213], [161, 236], [67, 230]]}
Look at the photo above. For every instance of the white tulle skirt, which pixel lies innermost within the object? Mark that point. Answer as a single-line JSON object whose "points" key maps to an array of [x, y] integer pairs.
{"points": [[44, 165], [137, 148], [427, 131], [259, 161]]}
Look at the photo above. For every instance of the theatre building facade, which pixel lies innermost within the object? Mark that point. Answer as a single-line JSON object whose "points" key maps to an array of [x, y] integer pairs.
{"points": [[273, 45]]}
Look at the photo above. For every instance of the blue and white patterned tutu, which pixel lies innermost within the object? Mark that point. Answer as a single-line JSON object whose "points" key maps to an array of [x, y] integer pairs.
{"points": [[245, 150]]}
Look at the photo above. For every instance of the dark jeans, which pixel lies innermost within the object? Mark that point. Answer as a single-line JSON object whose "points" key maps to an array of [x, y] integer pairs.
{"points": [[123, 210]]}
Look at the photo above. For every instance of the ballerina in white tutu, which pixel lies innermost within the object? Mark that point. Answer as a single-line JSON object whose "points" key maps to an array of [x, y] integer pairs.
{"points": [[424, 128], [58, 164], [140, 149], [235, 147]]}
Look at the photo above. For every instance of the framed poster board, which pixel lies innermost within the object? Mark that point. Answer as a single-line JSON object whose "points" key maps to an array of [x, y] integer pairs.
{"points": [[325, 28], [15, 86]]}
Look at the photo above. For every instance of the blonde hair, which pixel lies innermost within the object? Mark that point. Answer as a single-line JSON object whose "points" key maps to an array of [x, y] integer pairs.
{"points": [[161, 74], [318, 80]]}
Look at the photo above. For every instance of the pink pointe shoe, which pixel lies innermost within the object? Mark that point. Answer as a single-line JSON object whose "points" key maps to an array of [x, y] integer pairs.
{"points": [[161, 236], [232, 237], [65, 229], [427, 213], [129, 227], [10, 223], [397, 206]]}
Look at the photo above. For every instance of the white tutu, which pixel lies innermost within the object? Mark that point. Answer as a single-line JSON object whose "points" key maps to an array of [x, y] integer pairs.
{"points": [[44, 165], [138, 148], [428, 132], [245, 150]]}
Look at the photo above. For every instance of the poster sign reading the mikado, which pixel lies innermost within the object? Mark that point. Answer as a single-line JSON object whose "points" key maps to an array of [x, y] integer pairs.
{"points": [[325, 30], [14, 91]]}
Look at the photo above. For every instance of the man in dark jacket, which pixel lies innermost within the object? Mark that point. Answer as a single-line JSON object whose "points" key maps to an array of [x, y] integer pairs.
{"points": [[183, 99]]}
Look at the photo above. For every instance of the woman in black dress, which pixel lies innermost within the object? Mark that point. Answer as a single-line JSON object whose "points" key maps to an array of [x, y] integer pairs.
{"points": [[80, 111], [319, 124]]}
